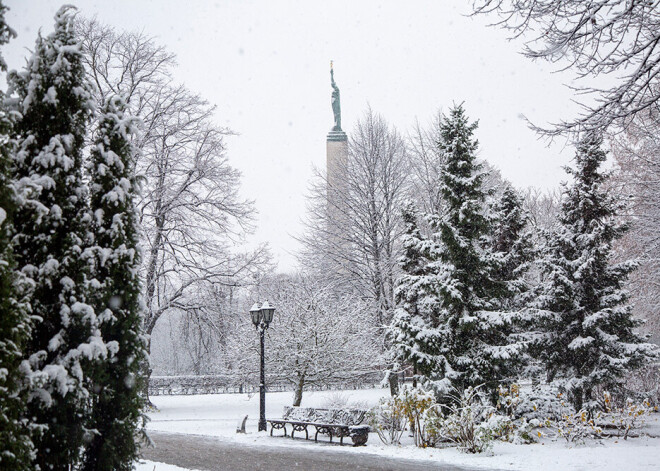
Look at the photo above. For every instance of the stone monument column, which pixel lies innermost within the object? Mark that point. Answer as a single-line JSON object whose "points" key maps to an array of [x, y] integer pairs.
{"points": [[336, 154], [336, 158]]}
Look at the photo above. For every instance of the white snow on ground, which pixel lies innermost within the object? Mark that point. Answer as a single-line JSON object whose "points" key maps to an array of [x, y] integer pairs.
{"points": [[218, 415], [151, 466]]}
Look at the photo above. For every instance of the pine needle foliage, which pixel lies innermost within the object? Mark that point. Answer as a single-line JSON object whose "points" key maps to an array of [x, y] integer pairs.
{"points": [[117, 405], [17, 448], [587, 333], [52, 233]]}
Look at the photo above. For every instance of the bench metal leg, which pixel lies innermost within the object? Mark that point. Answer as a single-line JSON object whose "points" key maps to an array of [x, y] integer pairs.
{"points": [[278, 426]]}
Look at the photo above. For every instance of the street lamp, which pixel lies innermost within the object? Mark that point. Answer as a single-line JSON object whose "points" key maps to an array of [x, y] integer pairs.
{"points": [[262, 316]]}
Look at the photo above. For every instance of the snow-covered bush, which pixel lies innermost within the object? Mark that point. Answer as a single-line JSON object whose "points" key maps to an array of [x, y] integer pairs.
{"points": [[473, 424], [432, 423], [502, 427], [388, 419], [510, 424], [340, 400], [416, 402], [576, 427], [542, 403], [628, 417], [508, 399], [512, 430], [336, 400], [546, 408], [413, 407], [466, 422], [526, 431]]}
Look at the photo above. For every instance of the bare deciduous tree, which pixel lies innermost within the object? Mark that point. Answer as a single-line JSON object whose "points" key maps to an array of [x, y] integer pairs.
{"points": [[638, 177], [317, 337], [426, 162], [354, 224], [542, 208], [190, 210], [619, 39]]}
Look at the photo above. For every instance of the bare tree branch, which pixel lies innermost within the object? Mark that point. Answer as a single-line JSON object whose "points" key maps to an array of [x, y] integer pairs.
{"points": [[619, 39]]}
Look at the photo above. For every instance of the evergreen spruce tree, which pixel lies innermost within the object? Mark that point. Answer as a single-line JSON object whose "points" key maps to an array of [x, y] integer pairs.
{"points": [[512, 244], [475, 347], [53, 229], [17, 449], [414, 322], [117, 408], [588, 331]]}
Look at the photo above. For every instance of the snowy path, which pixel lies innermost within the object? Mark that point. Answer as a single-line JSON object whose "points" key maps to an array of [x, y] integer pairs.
{"points": [[214, 454]]}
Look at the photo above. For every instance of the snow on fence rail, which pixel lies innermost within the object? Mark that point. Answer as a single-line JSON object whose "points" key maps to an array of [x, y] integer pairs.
{"points": [[232, 384]]}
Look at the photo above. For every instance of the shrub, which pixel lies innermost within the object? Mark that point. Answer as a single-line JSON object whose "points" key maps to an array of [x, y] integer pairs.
{"points": [[542, 404], [628, 417], [416, 402], [337, 400], [465, 422], [388, 419], [508, 399], [432, 423], [576, 427], [508, 429], [510, 424]]}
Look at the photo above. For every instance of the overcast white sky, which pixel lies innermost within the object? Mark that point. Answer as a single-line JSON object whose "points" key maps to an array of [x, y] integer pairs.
{"points": [[265, 64]]}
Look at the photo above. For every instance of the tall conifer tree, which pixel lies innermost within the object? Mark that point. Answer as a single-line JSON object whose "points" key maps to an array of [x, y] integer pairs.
{"points": [[15, 440], [117, 407], [475, 347], [449, 321], [53, 229], [512, 244], [589, 334], [415, 318]]}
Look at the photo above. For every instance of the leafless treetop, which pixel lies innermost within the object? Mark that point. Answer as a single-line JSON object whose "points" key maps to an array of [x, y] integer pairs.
{"points": [[614, 38]]}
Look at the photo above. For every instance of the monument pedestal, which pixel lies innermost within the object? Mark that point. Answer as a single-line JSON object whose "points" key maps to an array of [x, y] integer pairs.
{"points": [[337, 136], [336, 160]]}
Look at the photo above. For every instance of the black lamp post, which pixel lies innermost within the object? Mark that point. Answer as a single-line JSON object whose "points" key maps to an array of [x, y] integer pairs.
{"points": [[261, 318]]}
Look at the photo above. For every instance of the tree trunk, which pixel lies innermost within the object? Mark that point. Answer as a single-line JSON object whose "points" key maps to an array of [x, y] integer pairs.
{"points": [[146, 375], [576, 396], [297, 397], [394, 383], [414, 381]]}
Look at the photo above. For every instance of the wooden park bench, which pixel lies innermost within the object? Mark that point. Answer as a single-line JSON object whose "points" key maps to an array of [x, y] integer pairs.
{"points": [[333, 422]]}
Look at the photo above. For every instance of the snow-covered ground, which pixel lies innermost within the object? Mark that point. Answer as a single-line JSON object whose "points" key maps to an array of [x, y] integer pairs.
{"points": [[218, 416], [151, 466]]}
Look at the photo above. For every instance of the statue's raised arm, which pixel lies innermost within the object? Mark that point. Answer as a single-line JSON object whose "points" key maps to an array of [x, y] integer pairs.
{"points": [[336, 106]]}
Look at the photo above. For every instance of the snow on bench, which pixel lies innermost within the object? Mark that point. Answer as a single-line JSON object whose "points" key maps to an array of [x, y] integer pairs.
{"points": [[332, 422]]}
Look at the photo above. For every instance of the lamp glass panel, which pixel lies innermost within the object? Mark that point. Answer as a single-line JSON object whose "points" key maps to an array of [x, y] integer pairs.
{"points": [[268, 314], [255, 312]]}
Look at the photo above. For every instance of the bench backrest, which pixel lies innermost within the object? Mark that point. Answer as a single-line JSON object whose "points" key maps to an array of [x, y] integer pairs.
{"points": [[325, 416]]}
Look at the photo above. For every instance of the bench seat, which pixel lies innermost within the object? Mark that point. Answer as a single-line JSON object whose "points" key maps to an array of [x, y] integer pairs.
{"points": [[332, 422]]}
